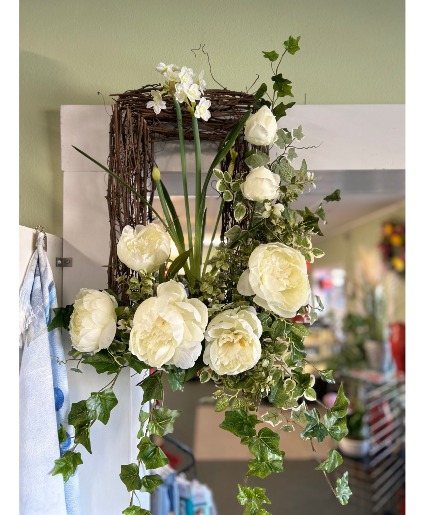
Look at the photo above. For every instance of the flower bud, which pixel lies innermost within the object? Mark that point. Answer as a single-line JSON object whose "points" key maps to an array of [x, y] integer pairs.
{"points": [[156, 174]]}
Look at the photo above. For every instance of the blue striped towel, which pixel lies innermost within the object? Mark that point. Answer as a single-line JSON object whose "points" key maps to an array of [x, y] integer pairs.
{"points": [[43, 397]]}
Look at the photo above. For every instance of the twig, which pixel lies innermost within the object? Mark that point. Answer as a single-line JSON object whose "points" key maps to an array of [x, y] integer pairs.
{"points": [[201, 47]]}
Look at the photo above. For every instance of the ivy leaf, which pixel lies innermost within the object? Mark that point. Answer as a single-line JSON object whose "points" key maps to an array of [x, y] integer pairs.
{"points": [[327, 375], [299, 414], [143, 417], [62, 317], [152, 388], [284, 138], [314, 428], [67, 465], [62, 434], [283, 394], [285, 170], [343, 492], [176, 378], [265, 448], [151, 455], [310, 394], [162, 421], [82, 436], [272, 417], [291, 44], [221, 404], [100, 405], [240, 423], [271, 56], [292, 154], [288, 428], [337, 427], [135, 363], [130, 477], [252, 498], [227, 196], [298, 133], [299, 330], [78, 414], [280, 110], [103, 362], [333, 197], [150, 482], [260, 91], [333, 461], [239, 211], [136, 510], [257, 159], [339, 408]]}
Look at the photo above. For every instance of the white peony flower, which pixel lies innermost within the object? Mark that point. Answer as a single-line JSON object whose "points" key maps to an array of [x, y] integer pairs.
{"points": [[201, 110], [157, 103], [169, 328], [261, 127], [277, 276], [144, 248], [233, 341], [93, 322], [261, 184]]}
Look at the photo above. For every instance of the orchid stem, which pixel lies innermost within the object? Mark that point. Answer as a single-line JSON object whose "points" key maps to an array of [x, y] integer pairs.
{"points": [[197, 259], [184, 176]]}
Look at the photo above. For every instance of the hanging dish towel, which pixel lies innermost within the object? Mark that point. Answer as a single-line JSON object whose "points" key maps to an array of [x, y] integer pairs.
{"points": [[43, 397]]}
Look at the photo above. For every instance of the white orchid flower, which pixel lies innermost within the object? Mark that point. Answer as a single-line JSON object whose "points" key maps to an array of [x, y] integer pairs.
{"points": [[157, 103], [202, 111]]}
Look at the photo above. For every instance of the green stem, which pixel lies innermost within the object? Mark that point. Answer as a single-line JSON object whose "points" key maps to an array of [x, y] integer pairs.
{"points": [[184, 176], [197, 258], [213, 236]]}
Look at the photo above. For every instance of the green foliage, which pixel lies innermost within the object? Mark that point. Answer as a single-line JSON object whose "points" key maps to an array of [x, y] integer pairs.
{"points": [[152, 388], [130, 476], [136, 510], [333, 461], [150, 482], [103, 362], [252, 499], [152, 456], [62, 318], [343, 492], [240, 423], [100, 404], [268, 456], [162, 421], [291, 44], [67, 465]]}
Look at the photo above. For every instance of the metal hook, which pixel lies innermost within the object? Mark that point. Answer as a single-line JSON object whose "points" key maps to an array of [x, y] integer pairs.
{"points": [[40, 228]]}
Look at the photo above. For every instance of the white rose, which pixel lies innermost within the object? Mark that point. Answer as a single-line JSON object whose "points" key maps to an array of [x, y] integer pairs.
{"points": [[261, 184], [233, 341], [144, 248], [277, 276], [169, 328], [93, 322], [261, 127]]}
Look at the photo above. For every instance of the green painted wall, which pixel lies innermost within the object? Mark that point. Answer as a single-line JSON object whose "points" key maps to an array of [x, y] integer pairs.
{"points": [[352, 52]]}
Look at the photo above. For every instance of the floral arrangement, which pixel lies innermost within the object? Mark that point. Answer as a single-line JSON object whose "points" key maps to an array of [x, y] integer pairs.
{"points": [[236, 317], [392, 246]]}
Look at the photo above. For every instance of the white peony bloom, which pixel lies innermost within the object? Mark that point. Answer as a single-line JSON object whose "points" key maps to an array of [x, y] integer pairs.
{"points": [[93, 322], [201, 110], [157, 103], [261, 184], [277, 276], [261, 127], [144, 248], [233, 341], [169, 328]]}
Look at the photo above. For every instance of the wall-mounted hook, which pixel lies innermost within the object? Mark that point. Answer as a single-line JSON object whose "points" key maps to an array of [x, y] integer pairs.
{"points": [[40, 228]]}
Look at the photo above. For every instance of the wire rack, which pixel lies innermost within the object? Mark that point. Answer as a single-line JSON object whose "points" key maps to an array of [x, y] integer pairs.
{"points": [[378, 479]]}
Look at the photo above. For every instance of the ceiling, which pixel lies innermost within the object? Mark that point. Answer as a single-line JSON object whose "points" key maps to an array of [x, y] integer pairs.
{"points": [[365, 194]]}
